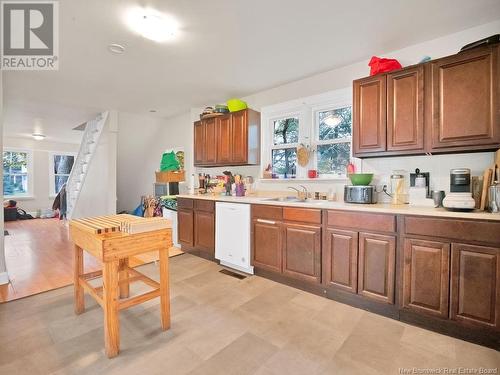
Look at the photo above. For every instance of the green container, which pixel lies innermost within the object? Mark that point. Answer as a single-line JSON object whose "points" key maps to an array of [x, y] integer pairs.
{"points": [[236, 105], [361, 178]]}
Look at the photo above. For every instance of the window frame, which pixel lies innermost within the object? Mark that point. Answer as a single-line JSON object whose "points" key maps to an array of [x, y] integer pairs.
{"points": [[29, 174], [307, 110], [52, 174]]}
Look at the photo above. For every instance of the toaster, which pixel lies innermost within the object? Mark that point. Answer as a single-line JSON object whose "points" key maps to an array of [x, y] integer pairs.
{"points": [[360, 194]]}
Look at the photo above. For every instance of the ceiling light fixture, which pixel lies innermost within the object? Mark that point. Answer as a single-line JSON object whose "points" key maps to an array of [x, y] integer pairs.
{"points": [[38, 137], [152, 24], [116, 49], [152, 110]]}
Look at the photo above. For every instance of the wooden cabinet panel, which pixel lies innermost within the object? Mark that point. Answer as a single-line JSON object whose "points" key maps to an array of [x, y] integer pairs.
{"points": [[210, 147], [267, 244], [239, 129], [185, 227], [475, 285], [361, 221], [377, 262], [305, 215], [204, 233], [224, 139], [369, 117], [185, 203], [302, 252], [204, 205], [199, 142], [405, 110], [340, 259], [426, 276], [465, 100], [261, 211]]}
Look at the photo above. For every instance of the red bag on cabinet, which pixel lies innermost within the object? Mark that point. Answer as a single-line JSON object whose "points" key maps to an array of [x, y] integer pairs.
{"points": [[380, 65]]}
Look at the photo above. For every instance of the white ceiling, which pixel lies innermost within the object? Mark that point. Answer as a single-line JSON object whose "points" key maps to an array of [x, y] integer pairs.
{"points": [[225, 48]]}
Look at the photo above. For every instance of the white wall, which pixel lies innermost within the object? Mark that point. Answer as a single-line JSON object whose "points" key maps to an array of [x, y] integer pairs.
{"points": [[42, 197], [143, 135]]}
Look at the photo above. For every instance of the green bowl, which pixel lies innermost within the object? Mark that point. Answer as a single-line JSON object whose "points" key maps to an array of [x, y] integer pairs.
{"points": [[361, 178], [236, 105]]}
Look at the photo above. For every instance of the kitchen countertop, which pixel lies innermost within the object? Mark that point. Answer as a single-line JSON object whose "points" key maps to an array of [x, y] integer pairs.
{"points": [[374, 208]]}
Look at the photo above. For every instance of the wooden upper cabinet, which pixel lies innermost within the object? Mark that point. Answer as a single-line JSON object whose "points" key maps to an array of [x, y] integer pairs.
{"points": [[340, 259], [475, 285], [377, 267], [224, 141], [405, 110], [464, 108], [199, 143], [369, 117], [302, 252], [267, 244], [426, 277], [232, 139], [210, 147], [239, 128]]}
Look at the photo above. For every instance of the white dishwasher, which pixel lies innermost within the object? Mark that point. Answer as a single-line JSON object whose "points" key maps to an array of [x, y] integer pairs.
{"points": [[232, 235]]}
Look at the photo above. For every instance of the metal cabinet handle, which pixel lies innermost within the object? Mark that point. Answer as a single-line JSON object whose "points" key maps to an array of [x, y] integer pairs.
{"points": [[266, 221]]}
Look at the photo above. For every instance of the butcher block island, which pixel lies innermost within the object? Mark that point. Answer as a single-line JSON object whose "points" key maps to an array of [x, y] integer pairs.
{"points": [[112, 240], [429, 267]]}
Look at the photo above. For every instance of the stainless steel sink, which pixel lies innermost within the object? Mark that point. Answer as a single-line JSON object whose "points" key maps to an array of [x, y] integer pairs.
{"points": [[283, 199]]}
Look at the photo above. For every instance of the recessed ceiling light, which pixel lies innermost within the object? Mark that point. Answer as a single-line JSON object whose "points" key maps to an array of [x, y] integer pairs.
{"points": [[115, 48], [38, 136], [152, 24], [152, 110]]}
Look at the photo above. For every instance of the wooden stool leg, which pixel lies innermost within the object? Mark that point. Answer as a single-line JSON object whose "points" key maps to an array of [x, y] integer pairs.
{"points": [[77, 272], [164, 290], [125, 286], [110, 299]]}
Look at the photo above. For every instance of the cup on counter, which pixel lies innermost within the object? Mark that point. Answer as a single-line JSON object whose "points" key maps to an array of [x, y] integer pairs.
{"points": [[438, 196], [312, 173]]}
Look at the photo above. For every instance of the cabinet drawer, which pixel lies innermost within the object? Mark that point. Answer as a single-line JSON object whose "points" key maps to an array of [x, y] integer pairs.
{"points": [[361, 221], [267, 212], [185, 203], [463, 230], [304, 215], [201, 205]]}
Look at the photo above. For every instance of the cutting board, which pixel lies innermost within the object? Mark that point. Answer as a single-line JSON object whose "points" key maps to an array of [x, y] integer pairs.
{"points": [[487, 178]]}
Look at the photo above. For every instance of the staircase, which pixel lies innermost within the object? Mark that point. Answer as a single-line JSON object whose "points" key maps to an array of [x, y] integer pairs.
{"points": [[90, 140]]}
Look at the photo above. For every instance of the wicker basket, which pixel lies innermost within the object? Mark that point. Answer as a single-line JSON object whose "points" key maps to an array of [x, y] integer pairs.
{"points": [[170, 176]]}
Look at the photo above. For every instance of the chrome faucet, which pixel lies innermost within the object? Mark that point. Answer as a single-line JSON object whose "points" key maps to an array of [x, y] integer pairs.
{"points": [[301, 195]]}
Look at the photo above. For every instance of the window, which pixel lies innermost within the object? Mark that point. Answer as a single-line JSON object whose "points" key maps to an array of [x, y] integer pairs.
{"points": [[321, 123], [16, 173], [333, 129], [284, 148], [60, 169]]}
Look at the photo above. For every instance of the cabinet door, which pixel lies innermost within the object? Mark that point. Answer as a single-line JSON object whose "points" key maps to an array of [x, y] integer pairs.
{"points": [[267, 244], [224, 141], [405, 110], [204, 231], [185, 227], [465, 100], [376, 266], [475, 285], [426, 276], [199, 143], [239, 126], [302, 252], [369, 118], [210, 147], [340, 259]]}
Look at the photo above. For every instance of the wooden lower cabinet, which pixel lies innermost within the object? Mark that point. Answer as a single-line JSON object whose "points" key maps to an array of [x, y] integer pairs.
{"points": [[204, 234], [185, 219], [426, 276], [340, 259], [267, 244], [302, 252], [475, 285], [377, 266]]}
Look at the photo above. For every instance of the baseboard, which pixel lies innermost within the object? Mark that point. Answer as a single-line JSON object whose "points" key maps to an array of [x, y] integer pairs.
{"points": [[4, 278]]}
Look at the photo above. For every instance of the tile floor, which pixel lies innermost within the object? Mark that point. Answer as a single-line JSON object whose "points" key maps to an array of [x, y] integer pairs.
{"points": [[222, 325]]}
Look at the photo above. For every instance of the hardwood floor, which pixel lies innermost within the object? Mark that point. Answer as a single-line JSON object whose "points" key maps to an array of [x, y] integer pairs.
{"points": [[39, 256], [223, 325]]}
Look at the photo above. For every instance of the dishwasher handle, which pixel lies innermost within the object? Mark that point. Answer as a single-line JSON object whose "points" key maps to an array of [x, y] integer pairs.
{"points": [[266, 221]]}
